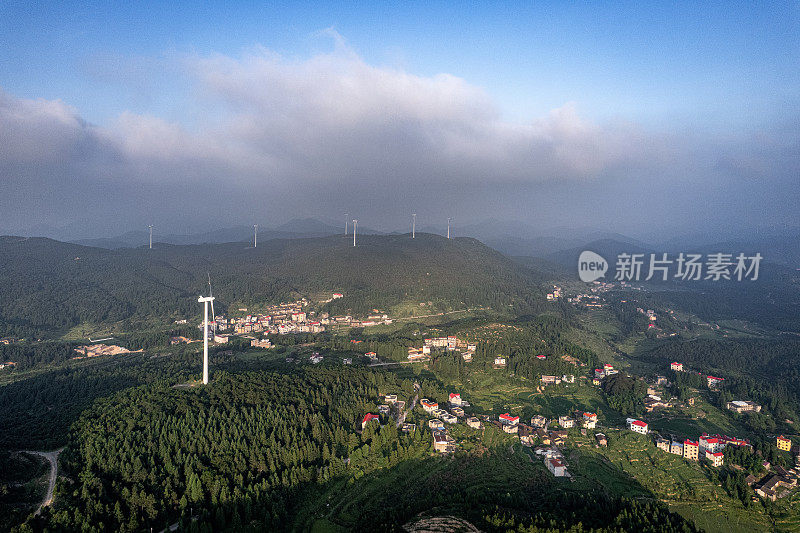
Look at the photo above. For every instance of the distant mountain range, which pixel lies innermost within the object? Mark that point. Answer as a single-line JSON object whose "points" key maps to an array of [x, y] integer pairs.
{"points": [[514, 239]]}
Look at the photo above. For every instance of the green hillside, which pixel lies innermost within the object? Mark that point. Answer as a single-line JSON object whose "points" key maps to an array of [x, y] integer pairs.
{"points": [[50, 285]]}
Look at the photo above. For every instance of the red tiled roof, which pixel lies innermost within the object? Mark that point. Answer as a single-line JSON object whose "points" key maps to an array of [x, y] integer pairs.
{"points": [[369, 417], [639, 423]]}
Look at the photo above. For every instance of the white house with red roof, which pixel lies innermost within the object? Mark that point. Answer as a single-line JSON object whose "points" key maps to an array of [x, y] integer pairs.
{"points": [[710, 444], [455, 398], [508, 420], [369, 417], [556, 466], [637, 425], [428, 405], [713, 382], [676, 366], [715, 458]]}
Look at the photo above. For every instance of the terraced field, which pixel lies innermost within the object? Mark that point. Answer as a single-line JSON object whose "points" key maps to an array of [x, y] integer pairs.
{"points": [[679, 483]]}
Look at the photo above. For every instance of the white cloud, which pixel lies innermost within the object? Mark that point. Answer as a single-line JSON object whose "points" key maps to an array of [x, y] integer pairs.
{"points": [[290, 134]]}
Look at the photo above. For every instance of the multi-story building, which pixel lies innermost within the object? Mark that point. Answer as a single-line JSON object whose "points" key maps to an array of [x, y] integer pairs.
{"points": [[691, 450], [783, 443]]}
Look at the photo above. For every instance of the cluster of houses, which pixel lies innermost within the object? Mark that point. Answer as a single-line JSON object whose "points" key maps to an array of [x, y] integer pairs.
{"points": [[777, 482], [712, 381], [601, 373], [555, 295], [292, 317], [96, 350], [708, 447], [449, 343], [555, 380]]}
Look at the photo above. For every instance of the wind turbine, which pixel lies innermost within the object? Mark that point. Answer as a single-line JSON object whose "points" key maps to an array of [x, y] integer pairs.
{"points": [[355, 226], [448, 227], [151, 236], [255, 244], [205, 300], [413, 225], [345, 222], [213, 314]]}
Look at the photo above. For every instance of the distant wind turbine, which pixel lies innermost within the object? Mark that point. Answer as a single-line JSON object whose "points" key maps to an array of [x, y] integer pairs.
{"points": [[448, 227], [355, 227], [255, 242], [413, 225], [151, 236], [345, 222]]}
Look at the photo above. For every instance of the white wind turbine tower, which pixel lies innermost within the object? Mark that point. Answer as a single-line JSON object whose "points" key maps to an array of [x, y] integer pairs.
{"points": [[345, 222], [413, 225], [151, 236], [355, 226], [205, 300], [448, 227], [255, 244]]}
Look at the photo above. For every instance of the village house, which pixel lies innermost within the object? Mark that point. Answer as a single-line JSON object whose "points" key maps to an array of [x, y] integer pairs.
{"points": [[435, 423], [417, 354], [550, 380], [662, 444], [743, 406], [602, 440], [369, 417], [558, 437], [527, 435], [568, 378], [566, 422], [383, 409], [455, 399], [499, 361], [408, 427], [783, 443], [467, 357], [538, 421], [428, 405], [508, 420], [457, 411], [691, 450], [316, 358], [637, 426], [711, 444], [715, 458], [556, 467], [589, 420], [473, 422], [450, 419], [677, 367], [260, 343], [390, 398], [676, 448], [440, 441], [713, 382]]}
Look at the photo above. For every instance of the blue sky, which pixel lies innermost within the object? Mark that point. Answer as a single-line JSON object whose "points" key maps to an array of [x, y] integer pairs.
{"points": [[639, 117], [715, 64]]}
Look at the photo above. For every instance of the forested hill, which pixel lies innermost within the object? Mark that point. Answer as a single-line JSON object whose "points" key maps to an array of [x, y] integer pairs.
{"points": [[46, 284]]}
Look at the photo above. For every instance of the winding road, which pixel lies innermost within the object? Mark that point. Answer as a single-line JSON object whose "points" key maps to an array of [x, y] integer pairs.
{"points": [[52, 457]]}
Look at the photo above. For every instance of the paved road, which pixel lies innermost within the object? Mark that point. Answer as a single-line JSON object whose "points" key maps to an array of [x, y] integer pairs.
{"points": [[402, 416], [52, 457]]}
